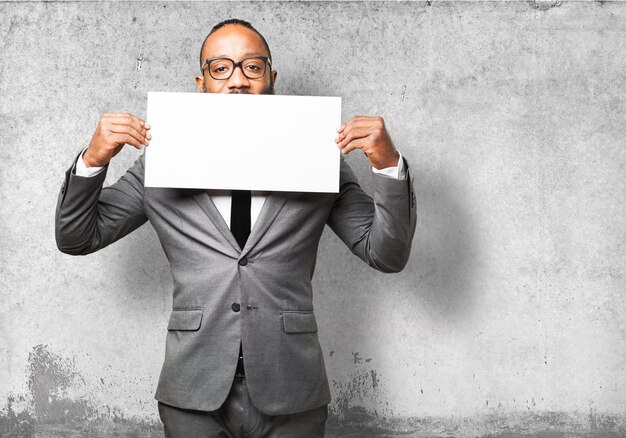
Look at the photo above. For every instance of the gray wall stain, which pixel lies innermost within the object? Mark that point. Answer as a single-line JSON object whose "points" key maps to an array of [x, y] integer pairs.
{"points": [[14, 423], [50, 409], [544, 5], [50, 377], [496, 425], [56, 414], [362, 386]]}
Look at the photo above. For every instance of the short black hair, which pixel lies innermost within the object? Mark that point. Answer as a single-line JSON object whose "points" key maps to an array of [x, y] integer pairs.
{"points": [[241, 23]]}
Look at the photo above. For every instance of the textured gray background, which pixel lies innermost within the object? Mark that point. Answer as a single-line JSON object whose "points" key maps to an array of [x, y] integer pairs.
{"points": [[509, 318]]}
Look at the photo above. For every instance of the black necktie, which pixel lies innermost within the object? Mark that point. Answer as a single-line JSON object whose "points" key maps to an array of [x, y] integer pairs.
{"points": [[240, 216], [240, 227]]}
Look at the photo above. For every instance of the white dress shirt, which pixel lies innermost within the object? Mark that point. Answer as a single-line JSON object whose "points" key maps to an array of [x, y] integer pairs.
{"points": [[222, 198]]}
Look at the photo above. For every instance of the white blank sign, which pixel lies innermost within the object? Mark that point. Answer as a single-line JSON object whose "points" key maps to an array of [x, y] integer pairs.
{"points": [[243, 141]]}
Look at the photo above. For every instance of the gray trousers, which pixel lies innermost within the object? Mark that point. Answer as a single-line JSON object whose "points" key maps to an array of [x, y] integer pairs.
{"points": [[238, 418]]}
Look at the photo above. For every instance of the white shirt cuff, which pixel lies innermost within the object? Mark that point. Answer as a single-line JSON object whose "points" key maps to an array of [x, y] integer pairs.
{"points": [[83, 170], [398, 172]]}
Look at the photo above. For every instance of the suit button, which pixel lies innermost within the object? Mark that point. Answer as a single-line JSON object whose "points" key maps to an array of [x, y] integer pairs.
{"points": [[236, 307], [243, 261]]}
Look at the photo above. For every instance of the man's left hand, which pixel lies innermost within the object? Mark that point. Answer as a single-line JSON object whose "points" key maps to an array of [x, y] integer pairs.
{"points": [[369, 135]]}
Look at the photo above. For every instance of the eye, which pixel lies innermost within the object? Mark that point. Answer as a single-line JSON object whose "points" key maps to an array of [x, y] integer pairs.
{"points": [[220, 67]]}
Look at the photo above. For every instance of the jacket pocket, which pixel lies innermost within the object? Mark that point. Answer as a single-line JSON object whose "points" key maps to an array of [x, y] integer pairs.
{"points": [[185, 319], [295, 321]]}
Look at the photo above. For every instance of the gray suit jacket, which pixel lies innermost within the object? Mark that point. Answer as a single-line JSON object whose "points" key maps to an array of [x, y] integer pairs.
{"points": [[270, 278]]}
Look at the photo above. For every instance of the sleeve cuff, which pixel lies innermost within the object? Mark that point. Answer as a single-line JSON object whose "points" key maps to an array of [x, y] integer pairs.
{"points": [[398, 172], [83, 170]]}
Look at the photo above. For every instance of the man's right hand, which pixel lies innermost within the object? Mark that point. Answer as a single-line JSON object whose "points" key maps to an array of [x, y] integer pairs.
{"points": [[113, 132]]}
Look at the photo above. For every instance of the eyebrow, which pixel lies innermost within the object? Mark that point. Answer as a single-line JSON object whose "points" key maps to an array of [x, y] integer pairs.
{"points": [[245, 55]]}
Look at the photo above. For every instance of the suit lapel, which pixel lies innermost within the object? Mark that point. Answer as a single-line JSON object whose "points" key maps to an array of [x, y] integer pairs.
{"points": [[271, 207], [206, 204], [274, 202]]}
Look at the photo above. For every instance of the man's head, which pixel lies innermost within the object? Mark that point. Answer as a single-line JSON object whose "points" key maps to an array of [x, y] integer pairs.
{"points": [[236, 40]]}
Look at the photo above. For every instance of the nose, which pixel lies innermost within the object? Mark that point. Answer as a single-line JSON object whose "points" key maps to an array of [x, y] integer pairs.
{"points": [[238, 80]]}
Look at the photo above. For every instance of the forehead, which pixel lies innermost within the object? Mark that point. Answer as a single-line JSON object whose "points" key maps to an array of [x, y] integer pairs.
{"points": [[234, 41]]}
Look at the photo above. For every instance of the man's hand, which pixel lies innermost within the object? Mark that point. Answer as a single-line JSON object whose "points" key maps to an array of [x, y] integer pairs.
{"points": [[369, 135], [113, 132]]}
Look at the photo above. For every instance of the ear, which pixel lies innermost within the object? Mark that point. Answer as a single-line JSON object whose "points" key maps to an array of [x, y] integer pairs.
{"points": [[274, 73], [200, 84]]}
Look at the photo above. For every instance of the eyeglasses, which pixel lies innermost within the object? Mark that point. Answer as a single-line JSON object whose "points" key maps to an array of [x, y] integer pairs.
{"points": [[223, 68]]}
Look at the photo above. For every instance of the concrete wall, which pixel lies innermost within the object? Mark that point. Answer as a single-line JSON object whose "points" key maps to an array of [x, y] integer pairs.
{"points": [[509, 319]]}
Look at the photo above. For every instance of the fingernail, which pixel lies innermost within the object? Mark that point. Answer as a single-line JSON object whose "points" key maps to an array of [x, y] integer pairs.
{"points": [[147, 125], [148, 136]]}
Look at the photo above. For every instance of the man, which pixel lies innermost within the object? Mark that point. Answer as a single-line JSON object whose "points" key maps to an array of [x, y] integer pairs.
{"points": [[242, 353]]}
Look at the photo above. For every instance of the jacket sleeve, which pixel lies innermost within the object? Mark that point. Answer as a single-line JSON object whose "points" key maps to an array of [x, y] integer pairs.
{"points": [[379, 231], [89, 217]]}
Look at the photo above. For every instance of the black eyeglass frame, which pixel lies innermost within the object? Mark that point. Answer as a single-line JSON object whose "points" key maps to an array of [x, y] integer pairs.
{"points": [[265, 59]]}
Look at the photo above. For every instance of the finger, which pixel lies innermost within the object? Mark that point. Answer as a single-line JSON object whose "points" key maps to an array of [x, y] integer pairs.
{"points": [[139, 129], [348, 123], [137, 124], [130, 130], [128, 119], [363, 121], [354, 122], [353, 134], [124, 116], [355, 144], [360, 121], [126, 138]]}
